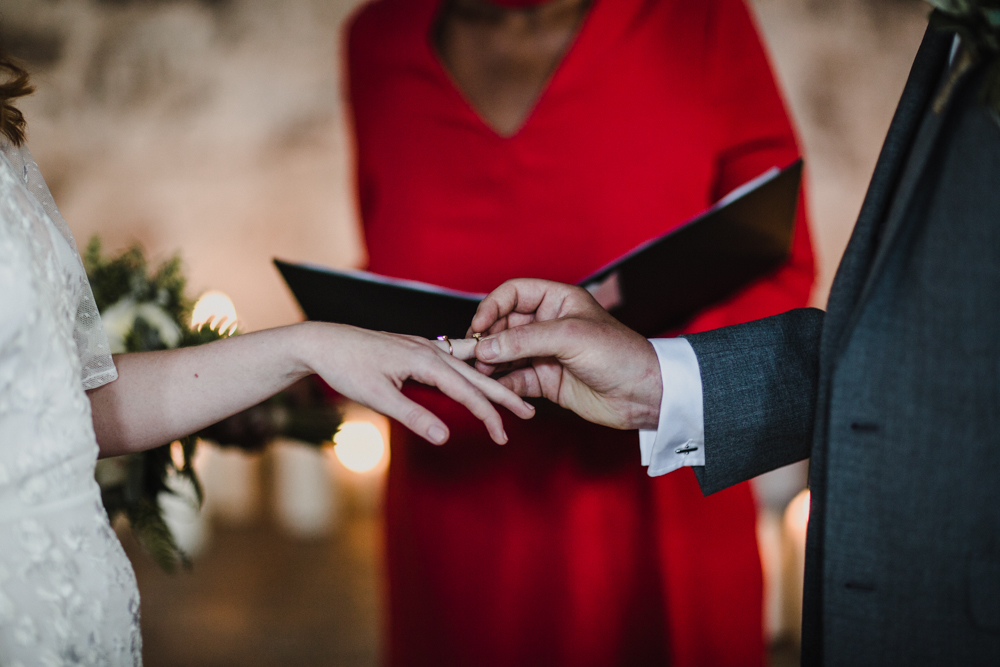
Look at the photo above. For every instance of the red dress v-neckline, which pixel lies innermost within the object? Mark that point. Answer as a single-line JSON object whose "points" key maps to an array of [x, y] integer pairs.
{"points": [[462, 97]]}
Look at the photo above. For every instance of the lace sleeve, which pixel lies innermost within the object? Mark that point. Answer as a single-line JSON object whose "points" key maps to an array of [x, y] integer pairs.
{"points": [[96, 366]]}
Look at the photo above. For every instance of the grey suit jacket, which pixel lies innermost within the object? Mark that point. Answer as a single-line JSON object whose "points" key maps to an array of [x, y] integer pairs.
{"points": [[894, 393]]}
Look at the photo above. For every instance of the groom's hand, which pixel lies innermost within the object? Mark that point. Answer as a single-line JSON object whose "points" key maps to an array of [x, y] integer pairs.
{"points": [[569, 350]]}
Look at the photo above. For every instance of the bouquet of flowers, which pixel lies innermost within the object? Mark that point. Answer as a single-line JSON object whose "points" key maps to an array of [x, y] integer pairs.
{"points": [[144, 311]]}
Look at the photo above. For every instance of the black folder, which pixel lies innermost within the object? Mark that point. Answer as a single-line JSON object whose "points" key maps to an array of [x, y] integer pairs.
{"points": [[656, 287]]}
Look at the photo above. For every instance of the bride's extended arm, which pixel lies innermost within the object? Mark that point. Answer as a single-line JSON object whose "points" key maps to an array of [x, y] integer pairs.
{"points": [[161, 396]]}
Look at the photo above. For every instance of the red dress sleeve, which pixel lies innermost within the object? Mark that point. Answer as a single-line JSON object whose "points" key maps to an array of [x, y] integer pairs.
{"points": [[756, 134]]}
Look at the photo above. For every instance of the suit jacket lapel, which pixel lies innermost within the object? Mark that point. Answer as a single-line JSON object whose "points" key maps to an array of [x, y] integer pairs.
{"points": [[899, 212]]}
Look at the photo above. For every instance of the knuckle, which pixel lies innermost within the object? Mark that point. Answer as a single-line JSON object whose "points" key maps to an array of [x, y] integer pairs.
{"points": [[511, 341], [580, 297], [414, 416]]}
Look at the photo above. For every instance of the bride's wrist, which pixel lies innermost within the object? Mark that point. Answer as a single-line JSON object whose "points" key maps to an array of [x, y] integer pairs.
{"points": [[305, 344]]}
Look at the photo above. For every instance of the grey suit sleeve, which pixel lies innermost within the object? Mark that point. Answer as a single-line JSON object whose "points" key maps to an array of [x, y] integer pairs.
{"points": [[759, 385]]}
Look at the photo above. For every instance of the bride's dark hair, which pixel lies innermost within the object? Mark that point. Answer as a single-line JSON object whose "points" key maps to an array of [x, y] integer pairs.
{"points": [[14, 85]]}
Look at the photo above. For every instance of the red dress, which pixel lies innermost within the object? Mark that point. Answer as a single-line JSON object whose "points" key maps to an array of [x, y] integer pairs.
{"points": [[557, 549]]}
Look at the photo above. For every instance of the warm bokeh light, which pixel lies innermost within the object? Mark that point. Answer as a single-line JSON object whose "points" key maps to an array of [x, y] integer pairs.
{"points": [[797, 513], [177, 454], [795, 522], [359, 446], [217, 310]]}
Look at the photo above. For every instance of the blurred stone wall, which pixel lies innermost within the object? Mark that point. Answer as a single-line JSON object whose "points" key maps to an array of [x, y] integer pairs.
{"points": [[214, 127], [209, 127]]}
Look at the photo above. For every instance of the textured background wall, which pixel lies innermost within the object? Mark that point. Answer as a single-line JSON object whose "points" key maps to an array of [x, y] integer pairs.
{"points": [[214, 127]]}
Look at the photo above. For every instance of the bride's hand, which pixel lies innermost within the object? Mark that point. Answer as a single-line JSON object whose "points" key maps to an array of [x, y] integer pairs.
{"points": [[370, 367], [161, 396]]}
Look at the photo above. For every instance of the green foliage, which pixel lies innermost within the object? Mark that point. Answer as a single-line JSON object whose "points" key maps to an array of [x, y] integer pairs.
{"points": [[986, 10], [137, 498], [203, 334], [143, 337], [131, 485], [136, 494], [127, 276], [977, 23], [146, 520]]}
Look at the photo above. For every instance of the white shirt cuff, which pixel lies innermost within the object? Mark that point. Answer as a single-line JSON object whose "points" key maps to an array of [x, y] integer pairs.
{"points": [[680, 437]]}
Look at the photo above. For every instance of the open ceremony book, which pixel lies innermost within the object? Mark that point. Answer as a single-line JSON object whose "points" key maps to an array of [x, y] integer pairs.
{"points": [[653, 288]]}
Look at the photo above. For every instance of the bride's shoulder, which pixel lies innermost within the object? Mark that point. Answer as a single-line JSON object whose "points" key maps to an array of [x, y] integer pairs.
{"points": [[12, 164], [15, 201], [11, 187], [23, 240], [16, 285]]}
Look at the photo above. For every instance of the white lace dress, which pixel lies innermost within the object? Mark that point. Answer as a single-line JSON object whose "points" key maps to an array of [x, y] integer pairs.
{"points": [[67, 592]]}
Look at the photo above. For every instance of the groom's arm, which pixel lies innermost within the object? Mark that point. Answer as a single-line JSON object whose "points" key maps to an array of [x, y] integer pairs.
{"points": [[731, 403], [759, 384]]}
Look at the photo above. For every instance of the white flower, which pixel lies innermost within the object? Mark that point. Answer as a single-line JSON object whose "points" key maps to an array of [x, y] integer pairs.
{"points": [[160, 320], [119, 319]]}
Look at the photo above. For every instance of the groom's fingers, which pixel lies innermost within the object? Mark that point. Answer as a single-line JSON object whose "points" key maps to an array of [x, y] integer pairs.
{"points": [[554, 338], [515, 320], [496, 306], [523, 382], [499, 325], [521, 295], [494, 369]]}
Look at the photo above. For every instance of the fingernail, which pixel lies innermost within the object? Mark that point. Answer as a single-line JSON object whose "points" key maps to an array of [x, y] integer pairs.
{"points": [[437, 435], [489, 348], [529, 406], [505, 438]]}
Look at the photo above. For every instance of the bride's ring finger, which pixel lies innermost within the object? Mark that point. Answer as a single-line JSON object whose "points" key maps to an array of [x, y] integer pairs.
{"points": [[495, 391], [462, 349]]}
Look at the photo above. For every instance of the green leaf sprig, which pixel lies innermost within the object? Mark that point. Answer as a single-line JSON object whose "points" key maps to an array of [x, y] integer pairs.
{"points": [[131, 485], [977, 23]]}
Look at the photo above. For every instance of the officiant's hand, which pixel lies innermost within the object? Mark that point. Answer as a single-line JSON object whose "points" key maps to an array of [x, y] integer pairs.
{"points": [[370, 368], [558, 343]]}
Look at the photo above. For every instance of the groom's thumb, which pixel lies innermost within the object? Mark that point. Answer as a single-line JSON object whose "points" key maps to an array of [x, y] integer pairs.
{"points": [[539, 339]]}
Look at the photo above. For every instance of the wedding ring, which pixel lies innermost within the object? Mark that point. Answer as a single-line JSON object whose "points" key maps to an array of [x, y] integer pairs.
{"points": [[477, 336], [451, 349]]}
